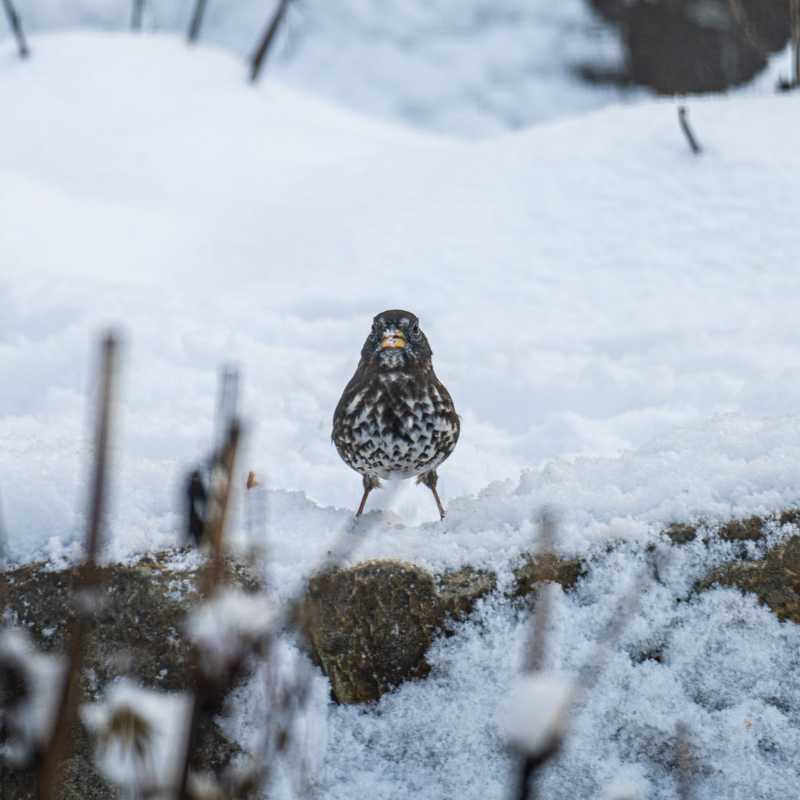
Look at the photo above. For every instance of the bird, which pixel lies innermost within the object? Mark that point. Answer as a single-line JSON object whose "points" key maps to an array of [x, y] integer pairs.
{"points": [[395, 418]]}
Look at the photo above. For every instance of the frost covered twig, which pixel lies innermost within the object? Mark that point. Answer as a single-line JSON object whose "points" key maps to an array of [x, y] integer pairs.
{"points": [[265, 43], [139, 734], [16, 28], [88, 577], [534, 722], [197, 21], [683, 119], [29, 683]]}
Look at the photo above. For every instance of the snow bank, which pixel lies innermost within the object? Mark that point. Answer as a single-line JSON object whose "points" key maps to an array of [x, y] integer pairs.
{"points": [[610, 314], [614, 318], [469, 67]]}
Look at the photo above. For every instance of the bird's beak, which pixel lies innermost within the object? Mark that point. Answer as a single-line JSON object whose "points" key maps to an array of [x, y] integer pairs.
{"points": [[393, 339]]}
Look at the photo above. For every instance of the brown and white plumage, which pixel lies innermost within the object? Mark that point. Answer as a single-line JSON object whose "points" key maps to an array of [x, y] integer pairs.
{"points": [[395, 418]]}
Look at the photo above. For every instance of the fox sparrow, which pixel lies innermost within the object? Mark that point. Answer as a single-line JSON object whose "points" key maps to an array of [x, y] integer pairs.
{"points": [[395, 418]]}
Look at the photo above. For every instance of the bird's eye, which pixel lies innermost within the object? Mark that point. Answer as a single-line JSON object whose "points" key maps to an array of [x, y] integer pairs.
{"points": [[376, 329], [415, 332]]}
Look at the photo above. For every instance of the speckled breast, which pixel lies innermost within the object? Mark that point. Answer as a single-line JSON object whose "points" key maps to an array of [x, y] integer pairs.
{"points": [[396, 427]]}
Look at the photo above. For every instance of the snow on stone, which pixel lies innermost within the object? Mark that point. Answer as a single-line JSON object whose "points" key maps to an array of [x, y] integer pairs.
{"points": [[140, 736], [28, 721], [228, 624], [534, 716]]}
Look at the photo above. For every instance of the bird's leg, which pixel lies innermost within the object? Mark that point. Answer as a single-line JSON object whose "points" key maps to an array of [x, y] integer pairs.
{"points": [[369, 484], [430, 479]]}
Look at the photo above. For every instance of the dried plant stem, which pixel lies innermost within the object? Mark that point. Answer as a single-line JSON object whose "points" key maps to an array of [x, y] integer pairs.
{"points": [[265, 44], [87, 580], [197, 21], [685, 759], [16, 28], [137, 14], [795, 16], [219, 501], [683, 119], [535, 655]]}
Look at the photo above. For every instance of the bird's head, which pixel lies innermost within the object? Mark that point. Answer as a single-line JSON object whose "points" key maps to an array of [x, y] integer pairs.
{"points": [[396, 342]]}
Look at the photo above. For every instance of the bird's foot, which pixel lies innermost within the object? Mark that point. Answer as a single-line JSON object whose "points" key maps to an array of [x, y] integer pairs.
{"points": [[369, 483], [430, 479]]}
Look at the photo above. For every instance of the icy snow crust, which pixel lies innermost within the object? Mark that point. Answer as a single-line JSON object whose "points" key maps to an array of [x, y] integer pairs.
{"points": [[615, 319]]}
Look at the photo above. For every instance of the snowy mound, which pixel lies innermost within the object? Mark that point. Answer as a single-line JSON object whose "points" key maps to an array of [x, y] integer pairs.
{"points": [[614, 317], [590, 289]]}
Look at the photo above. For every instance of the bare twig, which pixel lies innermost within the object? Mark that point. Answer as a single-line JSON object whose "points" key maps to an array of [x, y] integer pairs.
{"points": [[16, 28], [535, 655], [137, 14], [197, 20], [684, 757], [683, 118], [795, 17], [88, 577], [227, 401], [265, 43], [3, 541]]}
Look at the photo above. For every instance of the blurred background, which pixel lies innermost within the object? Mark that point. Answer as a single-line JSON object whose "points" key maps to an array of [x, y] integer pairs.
{"points": [[471, 67]]}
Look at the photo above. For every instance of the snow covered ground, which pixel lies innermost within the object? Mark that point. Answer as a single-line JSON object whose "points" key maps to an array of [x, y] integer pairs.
{"points": [[470, 67], [614, 317]]}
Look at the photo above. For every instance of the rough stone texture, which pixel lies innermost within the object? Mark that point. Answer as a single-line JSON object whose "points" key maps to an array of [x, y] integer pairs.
{"points": [[750, 529], [743, 530], [774, 579], [460, 591], [370, 626], [681, 533], [138, 631], [537, 569]]}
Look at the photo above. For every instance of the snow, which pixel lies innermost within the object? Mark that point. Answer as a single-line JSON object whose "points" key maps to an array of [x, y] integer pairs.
{"points": [[140, 736], [469, 67], [614, 318], [534, 715], [225, 627], [27, 721]]}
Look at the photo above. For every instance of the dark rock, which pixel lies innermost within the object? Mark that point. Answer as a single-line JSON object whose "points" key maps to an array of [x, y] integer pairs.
{"points": [[138, 631], [688, 46], [370, 626], [743, 530], [774, 579], [543, 568], [460, 591], [681, 533]]}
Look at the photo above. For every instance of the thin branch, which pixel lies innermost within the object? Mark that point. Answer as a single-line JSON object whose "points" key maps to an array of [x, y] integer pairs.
{"points": [[265, 44], [795, 16], [535, 656], [197, 21], [683, 118], [16, 28], [137, 14], [88, 577], [685, 760]]}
